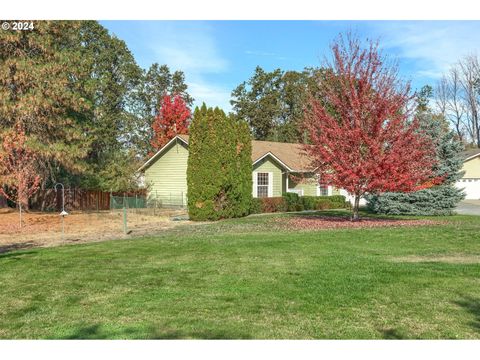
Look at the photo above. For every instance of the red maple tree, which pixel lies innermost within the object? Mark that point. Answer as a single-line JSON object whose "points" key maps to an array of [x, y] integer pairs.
{"points": [[18, 175], [172, 119], [363, 133]]}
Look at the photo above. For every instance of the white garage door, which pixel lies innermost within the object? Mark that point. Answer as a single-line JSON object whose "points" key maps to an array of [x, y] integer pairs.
{"points": [[471, 188]]}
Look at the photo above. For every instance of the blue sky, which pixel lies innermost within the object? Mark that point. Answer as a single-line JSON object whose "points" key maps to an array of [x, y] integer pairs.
{"points": [[216, 56]]}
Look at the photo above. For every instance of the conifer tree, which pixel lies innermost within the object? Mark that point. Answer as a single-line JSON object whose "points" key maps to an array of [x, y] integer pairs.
{"points": [[38, 92], [219, 166], [442, 198]]}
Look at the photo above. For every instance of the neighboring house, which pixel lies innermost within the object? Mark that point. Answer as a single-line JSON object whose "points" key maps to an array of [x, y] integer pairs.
{"points": [[470, 181], [277, 168]]}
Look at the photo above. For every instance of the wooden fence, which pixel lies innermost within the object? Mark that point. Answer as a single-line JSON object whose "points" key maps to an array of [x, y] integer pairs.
{"points": [[3, 202], [76, 199]]}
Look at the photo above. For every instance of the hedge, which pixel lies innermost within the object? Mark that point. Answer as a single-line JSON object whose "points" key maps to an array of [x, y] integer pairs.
{"points": [[219, 170], [293, 202]]}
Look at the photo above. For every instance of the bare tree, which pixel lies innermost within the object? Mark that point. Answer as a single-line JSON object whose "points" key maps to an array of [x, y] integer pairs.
{"points": [[449, 101], [458, 98], [469, 77]]}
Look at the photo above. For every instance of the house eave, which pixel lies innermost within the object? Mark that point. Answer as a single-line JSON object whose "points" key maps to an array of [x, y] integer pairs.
{"points": [[159, 152], [471, 157], [275, 158]]}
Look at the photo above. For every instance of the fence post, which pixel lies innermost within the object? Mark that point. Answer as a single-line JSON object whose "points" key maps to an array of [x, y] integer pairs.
{"points": [[20, 208], [124, 219]]}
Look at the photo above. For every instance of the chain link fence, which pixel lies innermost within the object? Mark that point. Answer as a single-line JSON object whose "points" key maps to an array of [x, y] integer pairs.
{"points": [[123, 214]]}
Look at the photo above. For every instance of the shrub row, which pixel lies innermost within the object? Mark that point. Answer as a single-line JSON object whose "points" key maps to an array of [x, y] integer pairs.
{"points": [[293, 202]]}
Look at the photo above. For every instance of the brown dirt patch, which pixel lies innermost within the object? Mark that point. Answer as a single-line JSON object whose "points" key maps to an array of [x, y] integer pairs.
{"points": [[448, 259], [330, 222], [45, 229]]}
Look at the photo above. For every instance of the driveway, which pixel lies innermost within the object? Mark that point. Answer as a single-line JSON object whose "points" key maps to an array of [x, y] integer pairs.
{"points": [[469, 207]]}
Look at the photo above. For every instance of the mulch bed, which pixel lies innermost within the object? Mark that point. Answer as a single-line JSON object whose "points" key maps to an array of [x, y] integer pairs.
{"points": [[331, 222]]}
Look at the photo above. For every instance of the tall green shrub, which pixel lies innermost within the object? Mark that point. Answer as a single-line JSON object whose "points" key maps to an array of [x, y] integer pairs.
{"points": [[219, 173]]}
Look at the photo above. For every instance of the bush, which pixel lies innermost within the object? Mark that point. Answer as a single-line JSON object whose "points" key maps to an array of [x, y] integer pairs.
{"points": [[219, 171], [273, 204], [439, 200], [323, 202], [291, 201], [256, 206]]}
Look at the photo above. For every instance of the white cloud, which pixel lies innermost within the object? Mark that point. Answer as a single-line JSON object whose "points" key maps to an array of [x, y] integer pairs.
{"points": [[212, 95], [191, 48], [433, 45], [264, 53]]}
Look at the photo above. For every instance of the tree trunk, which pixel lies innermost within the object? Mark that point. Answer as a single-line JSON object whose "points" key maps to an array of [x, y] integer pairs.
{"points": [[356, 204]]}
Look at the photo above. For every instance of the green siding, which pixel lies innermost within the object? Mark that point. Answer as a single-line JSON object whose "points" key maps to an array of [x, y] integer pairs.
{"points": [[308, 184], [167, 176], [269, 165]]}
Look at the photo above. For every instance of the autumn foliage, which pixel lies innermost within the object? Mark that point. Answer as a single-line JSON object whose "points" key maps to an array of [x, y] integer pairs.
{"points": [[172, 119], [18, 175], [363, 134]]}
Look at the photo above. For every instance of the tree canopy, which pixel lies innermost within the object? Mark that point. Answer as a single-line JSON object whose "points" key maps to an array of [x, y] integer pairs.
{"points": [[272, 103], [84, 103], [364, 141]]}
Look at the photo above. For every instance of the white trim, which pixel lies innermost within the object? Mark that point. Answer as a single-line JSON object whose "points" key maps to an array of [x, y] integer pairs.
{"points": [[471, 157], [296, 191], [329, 190], [254, 184], [160, 151], [270, 184], [287, 182], [277, 159]]}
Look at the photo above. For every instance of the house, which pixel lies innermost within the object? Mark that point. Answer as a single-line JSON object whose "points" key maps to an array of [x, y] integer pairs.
{"points": [[277, 168], [470, 181]]}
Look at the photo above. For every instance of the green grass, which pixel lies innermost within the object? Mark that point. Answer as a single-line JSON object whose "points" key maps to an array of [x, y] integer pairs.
{"points": [[249, 278]]}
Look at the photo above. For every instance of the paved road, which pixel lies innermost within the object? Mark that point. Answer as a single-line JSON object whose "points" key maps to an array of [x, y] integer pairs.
{"points": [[470, 207]]}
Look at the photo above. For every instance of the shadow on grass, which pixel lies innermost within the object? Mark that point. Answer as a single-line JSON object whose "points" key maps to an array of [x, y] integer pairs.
{"points": [[97, 331], [392, 334], [343, 214], [472, 306], [12, 253]]}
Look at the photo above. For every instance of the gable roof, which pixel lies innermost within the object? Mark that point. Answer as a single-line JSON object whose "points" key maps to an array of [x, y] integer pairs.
{"points": [[290, 156], [159, 152], [470, 154]]}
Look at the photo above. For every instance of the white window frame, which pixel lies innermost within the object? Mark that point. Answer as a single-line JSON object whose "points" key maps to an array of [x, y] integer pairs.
{"points": [[255, 183], [329, 190]]}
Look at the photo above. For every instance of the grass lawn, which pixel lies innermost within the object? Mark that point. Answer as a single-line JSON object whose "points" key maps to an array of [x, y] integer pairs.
{"points": [[251, 278]]}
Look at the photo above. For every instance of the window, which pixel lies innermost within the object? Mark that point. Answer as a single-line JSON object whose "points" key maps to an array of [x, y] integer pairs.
{"points": [[262, 185], [323, 190]]}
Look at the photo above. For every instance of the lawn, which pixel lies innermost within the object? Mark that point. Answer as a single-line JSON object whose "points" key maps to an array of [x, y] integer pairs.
{"points": [[251, 278]]}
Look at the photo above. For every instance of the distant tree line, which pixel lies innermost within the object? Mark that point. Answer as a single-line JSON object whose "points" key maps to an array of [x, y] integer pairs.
{"points": [[84, 104]]}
